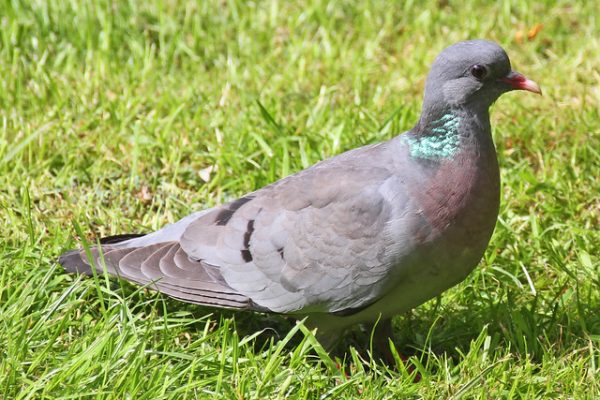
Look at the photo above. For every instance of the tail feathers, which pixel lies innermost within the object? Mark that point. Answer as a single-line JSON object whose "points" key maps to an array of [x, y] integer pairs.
{"points": [[162, 268], [76, 261]]}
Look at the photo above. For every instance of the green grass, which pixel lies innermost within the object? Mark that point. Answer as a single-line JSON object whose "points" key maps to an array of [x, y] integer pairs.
{"points": [[121, 116]]}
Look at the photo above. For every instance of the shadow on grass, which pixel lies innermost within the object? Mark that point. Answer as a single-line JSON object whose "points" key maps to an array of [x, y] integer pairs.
{"points": [[520, 325]]}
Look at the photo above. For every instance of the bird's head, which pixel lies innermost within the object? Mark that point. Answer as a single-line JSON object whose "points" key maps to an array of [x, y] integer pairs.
{"points": [[473, 74]]}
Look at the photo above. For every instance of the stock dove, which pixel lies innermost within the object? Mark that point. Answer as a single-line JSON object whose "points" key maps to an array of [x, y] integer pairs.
{"points": [[368, 234]]}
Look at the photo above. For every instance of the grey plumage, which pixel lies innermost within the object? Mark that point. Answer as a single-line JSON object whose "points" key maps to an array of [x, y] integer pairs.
{"points": [[372, 232]]}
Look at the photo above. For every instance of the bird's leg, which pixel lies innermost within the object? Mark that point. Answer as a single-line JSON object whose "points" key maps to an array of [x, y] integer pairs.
{"points": [[382, 331]]}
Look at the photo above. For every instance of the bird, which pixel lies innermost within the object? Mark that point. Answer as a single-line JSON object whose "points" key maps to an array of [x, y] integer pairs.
{"points": [[357, 238]]}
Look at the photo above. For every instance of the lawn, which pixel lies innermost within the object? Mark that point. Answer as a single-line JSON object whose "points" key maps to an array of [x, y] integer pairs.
{"points": [[122, 116]]}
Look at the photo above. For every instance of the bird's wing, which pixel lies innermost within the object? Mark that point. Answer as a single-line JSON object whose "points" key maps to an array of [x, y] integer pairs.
{"points": [[313, 243], [317, 241]]}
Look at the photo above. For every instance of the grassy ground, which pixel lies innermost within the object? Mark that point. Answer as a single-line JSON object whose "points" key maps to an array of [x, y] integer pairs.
{"points": [[121, 116]]}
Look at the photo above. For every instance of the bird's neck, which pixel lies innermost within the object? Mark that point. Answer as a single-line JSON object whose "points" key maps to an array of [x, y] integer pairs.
{"points": [[442, 134]]}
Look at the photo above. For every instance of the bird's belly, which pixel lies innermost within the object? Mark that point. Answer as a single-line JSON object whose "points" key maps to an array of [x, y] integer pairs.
{"points": [[427, 276], [422, 278]]}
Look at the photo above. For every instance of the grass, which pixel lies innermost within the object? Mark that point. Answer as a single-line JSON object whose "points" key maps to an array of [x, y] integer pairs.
{"points": [[123, 116]]}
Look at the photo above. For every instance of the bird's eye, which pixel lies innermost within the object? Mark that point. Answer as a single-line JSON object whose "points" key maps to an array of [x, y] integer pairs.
{"points": [[479, 71]]}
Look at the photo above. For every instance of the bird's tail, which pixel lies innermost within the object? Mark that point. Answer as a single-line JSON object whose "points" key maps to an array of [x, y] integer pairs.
{"points": [[76, 261]]}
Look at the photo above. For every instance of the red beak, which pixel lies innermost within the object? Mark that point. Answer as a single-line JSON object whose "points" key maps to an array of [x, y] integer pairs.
{"points": [[520, 82]]}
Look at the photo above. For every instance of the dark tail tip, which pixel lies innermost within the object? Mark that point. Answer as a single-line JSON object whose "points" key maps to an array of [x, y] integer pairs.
{"points": [[72, 262], [120, 238]]}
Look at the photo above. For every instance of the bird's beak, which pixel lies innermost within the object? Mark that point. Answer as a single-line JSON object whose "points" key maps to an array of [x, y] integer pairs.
{"points": [[518, 81]]}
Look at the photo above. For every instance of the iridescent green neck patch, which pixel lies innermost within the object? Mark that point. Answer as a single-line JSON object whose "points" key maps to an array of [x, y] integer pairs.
{"points": [[442, 141]]}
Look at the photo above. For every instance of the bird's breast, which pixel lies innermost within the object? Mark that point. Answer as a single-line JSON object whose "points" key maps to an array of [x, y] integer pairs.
{"points": [[459, 201]]}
